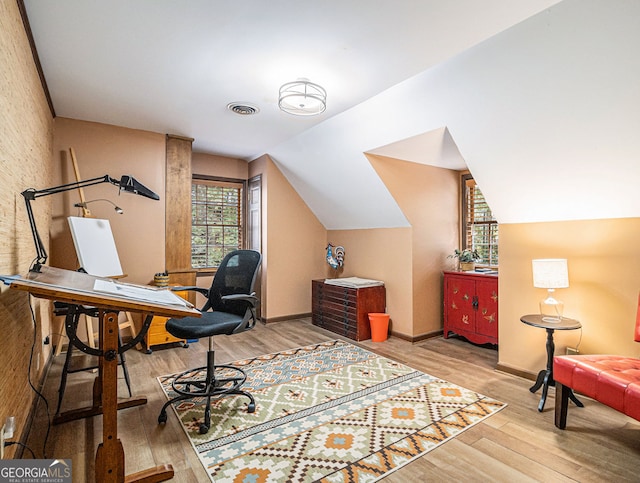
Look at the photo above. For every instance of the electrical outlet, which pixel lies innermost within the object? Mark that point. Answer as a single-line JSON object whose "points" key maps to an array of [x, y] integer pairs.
{"points": [[6, 432]]}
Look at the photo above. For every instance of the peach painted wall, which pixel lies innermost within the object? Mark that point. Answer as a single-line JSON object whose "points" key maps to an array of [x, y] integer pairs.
{"points": [[381, 254], [294, 244], [428, 197], [104, 149], [220, 166], [604, 281]]}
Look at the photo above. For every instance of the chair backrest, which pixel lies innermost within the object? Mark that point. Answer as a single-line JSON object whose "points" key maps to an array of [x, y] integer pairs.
{"points": [[236, 275], [637, 336]]}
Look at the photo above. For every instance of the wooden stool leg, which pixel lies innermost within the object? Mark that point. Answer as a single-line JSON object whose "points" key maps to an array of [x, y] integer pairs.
{"points": [[91, 335], [128, 324], [61, 333]]}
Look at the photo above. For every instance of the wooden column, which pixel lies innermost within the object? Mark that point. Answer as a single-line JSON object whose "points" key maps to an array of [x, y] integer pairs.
{"points": [[178, 212]]}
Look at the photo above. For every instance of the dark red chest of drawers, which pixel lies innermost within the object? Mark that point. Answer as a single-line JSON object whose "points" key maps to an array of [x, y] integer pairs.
{"points": [[345, 310]]}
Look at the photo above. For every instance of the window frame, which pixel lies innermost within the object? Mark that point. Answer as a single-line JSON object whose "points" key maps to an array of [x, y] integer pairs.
{"points": [[466, 226], [198, 179]]}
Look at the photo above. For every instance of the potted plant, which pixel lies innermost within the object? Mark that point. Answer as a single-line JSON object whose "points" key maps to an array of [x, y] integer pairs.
{"points": [[467, 258]]}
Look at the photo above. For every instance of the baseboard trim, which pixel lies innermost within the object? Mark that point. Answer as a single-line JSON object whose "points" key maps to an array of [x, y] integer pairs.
{"points": [[284, 318], [418, 338], [516, 372], [399, 335]]}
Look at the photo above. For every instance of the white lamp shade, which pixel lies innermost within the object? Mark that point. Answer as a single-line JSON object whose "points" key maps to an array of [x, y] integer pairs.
{"points": [[550, 273]]}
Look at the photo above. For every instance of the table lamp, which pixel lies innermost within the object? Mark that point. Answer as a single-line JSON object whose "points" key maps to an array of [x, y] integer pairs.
{"points": [[551, 273]]}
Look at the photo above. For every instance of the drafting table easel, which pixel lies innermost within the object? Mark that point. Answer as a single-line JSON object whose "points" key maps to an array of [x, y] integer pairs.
{"points": [[76, 289]]}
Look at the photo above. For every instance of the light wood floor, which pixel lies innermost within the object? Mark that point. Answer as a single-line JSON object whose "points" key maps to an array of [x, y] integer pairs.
{"points": [[517, 444]]}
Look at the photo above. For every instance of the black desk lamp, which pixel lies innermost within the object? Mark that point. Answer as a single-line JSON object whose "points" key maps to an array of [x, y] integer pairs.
{"points": [[126, 183]]}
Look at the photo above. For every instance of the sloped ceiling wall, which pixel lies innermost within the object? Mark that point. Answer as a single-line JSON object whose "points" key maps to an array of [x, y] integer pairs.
{"points": [[546, 116]]}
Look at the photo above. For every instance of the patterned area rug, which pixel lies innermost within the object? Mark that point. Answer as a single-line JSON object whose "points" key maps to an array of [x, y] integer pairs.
{"points": [[330, 412]]}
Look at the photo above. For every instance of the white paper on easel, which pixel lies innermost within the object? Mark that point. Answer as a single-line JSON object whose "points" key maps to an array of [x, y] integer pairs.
{"points": [[95, 246]]}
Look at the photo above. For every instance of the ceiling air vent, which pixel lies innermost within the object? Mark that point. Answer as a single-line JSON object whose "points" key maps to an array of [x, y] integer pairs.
{"points": [[243, 108]]}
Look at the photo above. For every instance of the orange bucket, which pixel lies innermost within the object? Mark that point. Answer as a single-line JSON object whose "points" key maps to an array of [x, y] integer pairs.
{"points": [[379, 326]]}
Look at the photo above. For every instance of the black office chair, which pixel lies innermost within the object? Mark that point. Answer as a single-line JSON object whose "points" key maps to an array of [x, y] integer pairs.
{"points": [[230, 309]]}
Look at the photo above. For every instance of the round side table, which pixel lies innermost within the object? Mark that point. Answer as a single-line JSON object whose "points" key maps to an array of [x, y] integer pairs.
{"points": [[545, 376]]}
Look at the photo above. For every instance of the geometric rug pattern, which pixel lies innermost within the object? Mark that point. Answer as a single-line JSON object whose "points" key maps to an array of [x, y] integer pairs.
{"points": [[329, 412]]}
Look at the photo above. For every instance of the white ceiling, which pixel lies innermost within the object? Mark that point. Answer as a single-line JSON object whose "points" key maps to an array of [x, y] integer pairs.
{"points": [[404, 79], [172, 66]]}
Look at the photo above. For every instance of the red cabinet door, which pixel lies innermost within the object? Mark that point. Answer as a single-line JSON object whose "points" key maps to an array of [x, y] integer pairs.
{"points": [[459, 311], [487, 313], [471, 306]]}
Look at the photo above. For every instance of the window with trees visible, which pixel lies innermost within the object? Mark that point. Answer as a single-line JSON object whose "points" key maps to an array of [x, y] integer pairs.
{"points": [[217, 220], [479, 227]]}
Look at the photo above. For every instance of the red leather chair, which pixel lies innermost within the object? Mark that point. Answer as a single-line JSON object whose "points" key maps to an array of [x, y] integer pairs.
{"points": [[609, 379]]}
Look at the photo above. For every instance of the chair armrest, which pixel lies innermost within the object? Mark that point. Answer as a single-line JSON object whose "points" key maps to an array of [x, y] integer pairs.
{"points": [[251, 298], [203, 291]]}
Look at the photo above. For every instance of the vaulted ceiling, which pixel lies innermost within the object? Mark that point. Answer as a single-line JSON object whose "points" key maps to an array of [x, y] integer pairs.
{"points": [[538, 99]]}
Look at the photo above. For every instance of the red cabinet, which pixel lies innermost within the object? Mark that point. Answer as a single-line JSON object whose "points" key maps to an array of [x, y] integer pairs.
{"points": [[471, 306]]}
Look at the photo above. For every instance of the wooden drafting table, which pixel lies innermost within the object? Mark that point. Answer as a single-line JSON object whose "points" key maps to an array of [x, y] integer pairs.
{"points": [[76, 289]]}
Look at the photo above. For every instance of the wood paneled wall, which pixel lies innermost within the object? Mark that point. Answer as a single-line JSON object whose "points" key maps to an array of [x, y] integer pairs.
{"points": [[26, 136]]}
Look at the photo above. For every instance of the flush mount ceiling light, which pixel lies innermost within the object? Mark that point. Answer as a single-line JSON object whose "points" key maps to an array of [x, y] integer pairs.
{"points": [[302, 98]]}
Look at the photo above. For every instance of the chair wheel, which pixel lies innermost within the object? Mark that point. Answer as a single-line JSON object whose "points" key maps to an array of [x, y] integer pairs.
{"points": [[204, 429], [162, 418], [251, 408], [149, 350]]}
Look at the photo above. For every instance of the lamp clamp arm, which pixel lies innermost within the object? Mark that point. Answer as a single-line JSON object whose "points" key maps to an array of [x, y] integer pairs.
{"points": [[32, 194], [126, 183]]}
